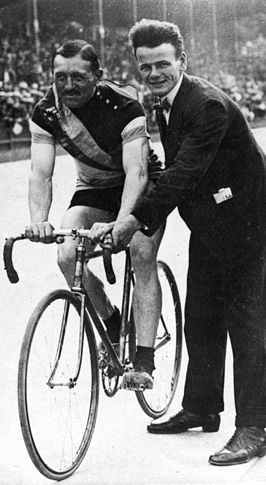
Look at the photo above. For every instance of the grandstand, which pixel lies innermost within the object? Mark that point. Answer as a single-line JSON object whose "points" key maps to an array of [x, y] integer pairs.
{"points": [[225, 43]]}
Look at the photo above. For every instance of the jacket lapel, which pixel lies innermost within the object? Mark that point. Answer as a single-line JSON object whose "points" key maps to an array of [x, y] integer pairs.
{"points": [[172, 138]]}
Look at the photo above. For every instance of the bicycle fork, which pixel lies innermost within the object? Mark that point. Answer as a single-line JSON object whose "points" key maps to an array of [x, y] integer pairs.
{"points": [[76, 288]]}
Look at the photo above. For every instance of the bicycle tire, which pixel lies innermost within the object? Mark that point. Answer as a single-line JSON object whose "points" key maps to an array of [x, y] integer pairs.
{"points": [[61, 398], [156, 402]]}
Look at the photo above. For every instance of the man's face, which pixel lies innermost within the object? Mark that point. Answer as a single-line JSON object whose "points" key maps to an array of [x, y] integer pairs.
{"points": [[159, 67], [74, 80]]}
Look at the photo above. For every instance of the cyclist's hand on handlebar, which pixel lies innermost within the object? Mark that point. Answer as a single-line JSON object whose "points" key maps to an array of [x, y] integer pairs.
{"points": [[99, 230], [40, 232]]}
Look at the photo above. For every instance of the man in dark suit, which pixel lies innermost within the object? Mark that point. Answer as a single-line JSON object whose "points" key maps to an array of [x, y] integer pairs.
{"points": [[216, 176]]}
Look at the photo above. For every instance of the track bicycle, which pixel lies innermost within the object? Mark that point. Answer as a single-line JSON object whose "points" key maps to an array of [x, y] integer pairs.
{"points": [[59, 367]]}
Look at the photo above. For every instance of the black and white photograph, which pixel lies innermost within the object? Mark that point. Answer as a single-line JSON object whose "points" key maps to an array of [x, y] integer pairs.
{"points": [[133, 242]]}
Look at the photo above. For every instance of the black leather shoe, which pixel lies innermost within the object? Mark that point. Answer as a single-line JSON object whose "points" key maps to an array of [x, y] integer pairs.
{"points": [[245, 444], [185, 420]]}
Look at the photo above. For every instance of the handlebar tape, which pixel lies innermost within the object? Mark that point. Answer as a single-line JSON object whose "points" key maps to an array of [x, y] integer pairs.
{"points": [[8, 248], [107, 259]]}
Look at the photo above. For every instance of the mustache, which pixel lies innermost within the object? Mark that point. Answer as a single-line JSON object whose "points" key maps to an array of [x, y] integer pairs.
{"points": [[71, 91]]}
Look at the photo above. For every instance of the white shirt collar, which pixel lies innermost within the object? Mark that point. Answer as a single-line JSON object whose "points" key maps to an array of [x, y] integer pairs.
{"points": [[172, 94]]}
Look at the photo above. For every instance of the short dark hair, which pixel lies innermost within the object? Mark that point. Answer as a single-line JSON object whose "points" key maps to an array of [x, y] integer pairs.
{"points": [[152, 33], [73, 47]]}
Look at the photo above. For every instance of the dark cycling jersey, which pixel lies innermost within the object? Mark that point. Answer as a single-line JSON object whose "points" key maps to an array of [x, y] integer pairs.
{"points": [[94, 134]]}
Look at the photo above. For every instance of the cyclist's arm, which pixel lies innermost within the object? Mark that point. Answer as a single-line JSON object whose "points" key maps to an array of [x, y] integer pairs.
{"points": [[135, 151], [135, 164], [40, 191]]}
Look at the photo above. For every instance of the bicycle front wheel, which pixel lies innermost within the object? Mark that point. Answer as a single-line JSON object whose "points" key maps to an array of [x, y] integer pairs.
{"points": [[168, 348], [58, 420]]}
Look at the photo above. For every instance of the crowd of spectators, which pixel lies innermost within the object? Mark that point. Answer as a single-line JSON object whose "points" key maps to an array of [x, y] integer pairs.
{"points": [[25, 75]]}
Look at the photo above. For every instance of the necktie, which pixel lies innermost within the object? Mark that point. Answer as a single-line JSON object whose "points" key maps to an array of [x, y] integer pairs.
{"points": [[159, 107], [166, 105]]}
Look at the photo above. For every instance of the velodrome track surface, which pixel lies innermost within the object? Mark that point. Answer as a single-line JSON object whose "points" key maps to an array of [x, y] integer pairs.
{"points": [[121, 452]]}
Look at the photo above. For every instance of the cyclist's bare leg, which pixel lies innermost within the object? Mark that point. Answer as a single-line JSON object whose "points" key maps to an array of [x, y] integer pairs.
{"points": [[147, 302], [82, 216], [147, 292]]}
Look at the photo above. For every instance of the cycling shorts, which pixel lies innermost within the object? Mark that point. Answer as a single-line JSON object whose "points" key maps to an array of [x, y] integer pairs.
{"points": [[108, 199]]}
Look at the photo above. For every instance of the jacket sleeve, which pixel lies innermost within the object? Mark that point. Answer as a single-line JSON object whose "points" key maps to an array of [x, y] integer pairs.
{"points": [[207, 128]]}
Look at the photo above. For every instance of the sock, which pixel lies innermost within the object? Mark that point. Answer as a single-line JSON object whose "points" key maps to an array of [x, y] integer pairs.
{"points": [[113, 325], [144, 359]]}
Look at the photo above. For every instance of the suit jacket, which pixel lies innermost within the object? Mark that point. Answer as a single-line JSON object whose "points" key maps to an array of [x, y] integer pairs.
{"points": [[209, 146]]}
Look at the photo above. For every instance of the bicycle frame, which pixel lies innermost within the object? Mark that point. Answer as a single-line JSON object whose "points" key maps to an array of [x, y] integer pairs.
{"points": [[87, 310]]}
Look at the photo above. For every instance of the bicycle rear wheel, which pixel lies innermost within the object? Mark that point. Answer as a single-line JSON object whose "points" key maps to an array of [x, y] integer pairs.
{"points": [[168, 348], [57, 422]]}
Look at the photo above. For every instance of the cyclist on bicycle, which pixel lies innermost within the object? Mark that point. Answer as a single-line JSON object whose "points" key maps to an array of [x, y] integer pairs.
{"points": [[102, 125]]}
